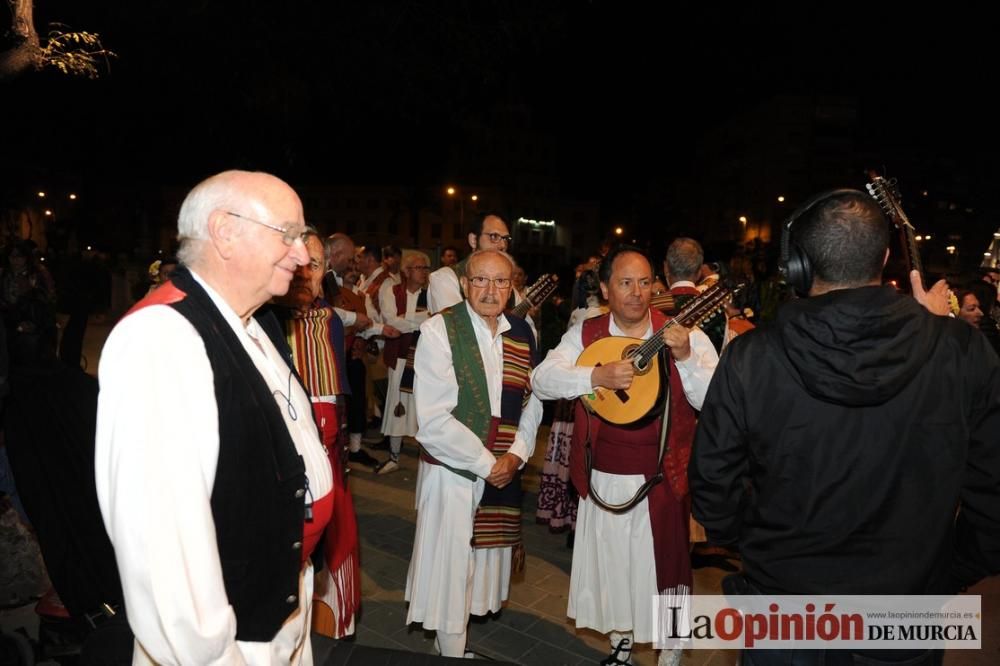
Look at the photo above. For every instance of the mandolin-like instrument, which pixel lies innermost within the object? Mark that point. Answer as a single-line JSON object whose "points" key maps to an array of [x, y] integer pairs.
{"points": [[623, 406]]}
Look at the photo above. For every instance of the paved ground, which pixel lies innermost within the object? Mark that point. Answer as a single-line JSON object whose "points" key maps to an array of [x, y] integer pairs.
{"points": [[531, 629]]}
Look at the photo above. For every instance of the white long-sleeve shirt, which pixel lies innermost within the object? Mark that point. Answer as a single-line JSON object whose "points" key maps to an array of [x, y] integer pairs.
{"points": [[558, 376], [407, 321], [436, 394], [156, 454], [443, 290]]}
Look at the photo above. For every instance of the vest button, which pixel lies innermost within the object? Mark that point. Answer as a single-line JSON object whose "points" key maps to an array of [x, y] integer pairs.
{"points": [[297, 545], [291, 599], [300, 492]]}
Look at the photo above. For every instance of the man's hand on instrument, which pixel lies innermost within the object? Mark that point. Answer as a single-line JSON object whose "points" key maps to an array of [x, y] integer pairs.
{"points": [[615, 375], [362, 321], [503, 470], [678, 339], [936, 299]]}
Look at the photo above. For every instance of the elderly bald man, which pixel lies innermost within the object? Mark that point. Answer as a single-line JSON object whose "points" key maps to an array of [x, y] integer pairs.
{"points": [[213, 485]]}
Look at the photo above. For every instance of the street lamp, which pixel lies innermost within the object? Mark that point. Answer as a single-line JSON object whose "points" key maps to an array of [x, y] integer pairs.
{"points": [[453, 191]]}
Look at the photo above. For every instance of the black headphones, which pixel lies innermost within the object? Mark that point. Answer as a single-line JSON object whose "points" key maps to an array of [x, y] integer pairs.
{"points": [[795, 268]]}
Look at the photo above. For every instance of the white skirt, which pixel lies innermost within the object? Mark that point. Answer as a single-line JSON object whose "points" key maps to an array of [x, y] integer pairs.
{"points": [[398, 426], [448, 579], [612, 586]]}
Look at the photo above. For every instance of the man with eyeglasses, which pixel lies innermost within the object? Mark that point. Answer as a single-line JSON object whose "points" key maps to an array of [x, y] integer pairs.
{"points": [[404, 307], [214, 486], [489, 232], [478, 420], [621, 560]]}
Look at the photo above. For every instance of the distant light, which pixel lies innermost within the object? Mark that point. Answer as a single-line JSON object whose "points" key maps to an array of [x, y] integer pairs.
{"points": [[475, 197], [73, 197], [48, 212], [619, 231], [987, 254], [743, 219], [924, 193], [41, 195], [950, 249], [781, 199], [927, 237], [920, 238], [41, 258], [536, 223], [451, 191], [89, 248], [996, 234]]}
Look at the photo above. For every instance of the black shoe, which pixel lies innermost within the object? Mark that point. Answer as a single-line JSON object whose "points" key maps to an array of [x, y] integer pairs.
{"points": [[362, 457], [381, 446], [620, 655]]}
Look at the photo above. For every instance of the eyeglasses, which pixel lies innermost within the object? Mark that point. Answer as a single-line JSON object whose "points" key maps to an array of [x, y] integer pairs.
{"points": [[420, 268], [289, 234], [481, 281], [496, 238]]}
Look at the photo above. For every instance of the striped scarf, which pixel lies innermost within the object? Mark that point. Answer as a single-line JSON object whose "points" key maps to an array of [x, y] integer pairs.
{"points": [[313, 351], [498, 520]]}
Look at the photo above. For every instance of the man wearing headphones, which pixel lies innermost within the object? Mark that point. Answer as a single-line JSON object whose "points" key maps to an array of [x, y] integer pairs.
{"points": [[862, 422]]}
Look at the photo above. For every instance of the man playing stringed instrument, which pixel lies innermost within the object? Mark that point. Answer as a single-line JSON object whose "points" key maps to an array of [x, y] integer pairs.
{"points": [[623, 557]]}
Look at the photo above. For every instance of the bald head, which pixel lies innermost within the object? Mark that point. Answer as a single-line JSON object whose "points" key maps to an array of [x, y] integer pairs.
{"points": [[480, 255], [339, 251], [247, 193], [242, 233]]}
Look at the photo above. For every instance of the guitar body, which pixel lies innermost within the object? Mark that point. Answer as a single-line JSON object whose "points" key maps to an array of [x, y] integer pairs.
{"points": [[622, 406]]}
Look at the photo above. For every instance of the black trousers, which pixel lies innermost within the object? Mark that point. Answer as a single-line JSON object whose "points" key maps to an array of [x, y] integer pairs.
{"points": [[358, 401]]}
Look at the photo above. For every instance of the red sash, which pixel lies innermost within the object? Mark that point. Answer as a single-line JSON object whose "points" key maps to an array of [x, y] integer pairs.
{"points": [[341, 549]]}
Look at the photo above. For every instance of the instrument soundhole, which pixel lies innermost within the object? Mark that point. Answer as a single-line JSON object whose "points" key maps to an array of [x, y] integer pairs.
{"points": [[641, 367]]}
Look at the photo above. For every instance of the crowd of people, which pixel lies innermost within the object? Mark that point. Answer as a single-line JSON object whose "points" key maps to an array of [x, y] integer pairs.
{"points": [[848, 446]]}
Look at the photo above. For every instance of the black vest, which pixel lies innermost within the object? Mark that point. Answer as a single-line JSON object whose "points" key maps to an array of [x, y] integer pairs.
{"points": [[258, 498]]}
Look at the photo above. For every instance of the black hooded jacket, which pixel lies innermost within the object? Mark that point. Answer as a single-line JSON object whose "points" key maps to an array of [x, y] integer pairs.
{"points": [[837, 445]]}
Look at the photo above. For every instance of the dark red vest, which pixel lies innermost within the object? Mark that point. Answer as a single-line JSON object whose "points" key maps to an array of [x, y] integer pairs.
{"points": [[634, 450], [631, 450]]}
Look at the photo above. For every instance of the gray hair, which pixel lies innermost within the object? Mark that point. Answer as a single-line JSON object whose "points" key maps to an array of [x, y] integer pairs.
{"points": [[214, 193], [332, 241], [412, 256], [684, 259]]}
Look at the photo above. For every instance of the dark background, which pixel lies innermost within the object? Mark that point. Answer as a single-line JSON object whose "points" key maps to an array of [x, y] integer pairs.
{"points": [[378, 92]]}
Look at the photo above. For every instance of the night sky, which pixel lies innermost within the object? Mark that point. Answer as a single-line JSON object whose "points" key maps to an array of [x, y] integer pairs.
{"points": [[374, 92]]}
